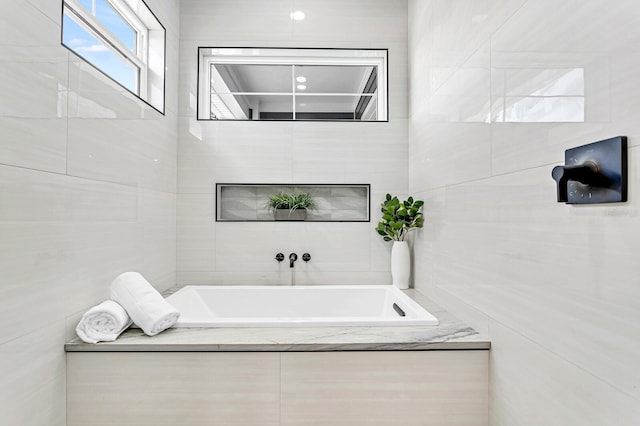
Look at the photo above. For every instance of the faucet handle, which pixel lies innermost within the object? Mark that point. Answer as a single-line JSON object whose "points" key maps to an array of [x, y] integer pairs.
{"points": [[279, 257], [306, 257]]}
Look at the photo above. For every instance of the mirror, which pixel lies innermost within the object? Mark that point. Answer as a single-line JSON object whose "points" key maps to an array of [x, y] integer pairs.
{"points": [[292, 84]]}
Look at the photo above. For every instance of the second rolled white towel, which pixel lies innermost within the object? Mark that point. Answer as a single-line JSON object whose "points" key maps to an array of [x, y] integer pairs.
{"points": [[146, 307], [103, 323]]}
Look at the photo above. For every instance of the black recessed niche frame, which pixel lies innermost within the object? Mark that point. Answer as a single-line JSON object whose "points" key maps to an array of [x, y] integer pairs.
{"points": [[247, 202]]}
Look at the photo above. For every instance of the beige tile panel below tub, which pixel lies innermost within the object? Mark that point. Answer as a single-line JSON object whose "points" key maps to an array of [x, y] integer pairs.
{"points": [[144, 389], [385, 388]]}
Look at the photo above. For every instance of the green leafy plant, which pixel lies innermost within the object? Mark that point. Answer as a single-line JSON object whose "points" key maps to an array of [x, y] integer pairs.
{"points": [[290, 202], [399, 218]]}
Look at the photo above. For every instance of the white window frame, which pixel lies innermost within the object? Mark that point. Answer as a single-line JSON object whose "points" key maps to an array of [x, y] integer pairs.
{"points": [[149, 57], [289, 57], [90, 23]]}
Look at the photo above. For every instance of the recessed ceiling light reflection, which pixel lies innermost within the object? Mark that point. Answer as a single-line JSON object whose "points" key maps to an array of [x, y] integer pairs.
{"points": [[298, 15], [301, 79], [301, 87]]}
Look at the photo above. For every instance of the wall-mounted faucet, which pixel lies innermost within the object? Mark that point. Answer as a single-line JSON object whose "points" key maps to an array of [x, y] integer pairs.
{"points": [[292, 258], [593, 173]]}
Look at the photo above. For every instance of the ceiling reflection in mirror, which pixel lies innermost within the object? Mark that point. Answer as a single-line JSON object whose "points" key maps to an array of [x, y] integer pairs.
{"points": [[292, 84]]}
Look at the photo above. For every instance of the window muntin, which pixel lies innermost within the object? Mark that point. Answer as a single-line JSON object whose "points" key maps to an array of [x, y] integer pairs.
{"points": [[127, 46], [118, 26], [98, 53], [292, 84]]}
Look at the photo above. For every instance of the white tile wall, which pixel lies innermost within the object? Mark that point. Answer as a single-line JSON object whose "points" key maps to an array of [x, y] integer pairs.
{"points": [[280, 152], [82, 198], [555, 286]]}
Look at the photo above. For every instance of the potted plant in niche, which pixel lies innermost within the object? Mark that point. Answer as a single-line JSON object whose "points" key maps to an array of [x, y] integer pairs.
{"points": [[290, 206], [398, 219]]}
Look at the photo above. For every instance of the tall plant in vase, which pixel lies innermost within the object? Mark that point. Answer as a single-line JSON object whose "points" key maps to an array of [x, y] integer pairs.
{"points": [[398, 219]]}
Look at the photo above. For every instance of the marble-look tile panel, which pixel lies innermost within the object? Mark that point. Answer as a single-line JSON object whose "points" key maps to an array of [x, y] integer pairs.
{"points": [[438, 383], [158, 217], [252, 20], [36, 143], [252, 246], [50, 9], [450, 153], [305, 276], [423, 241], [131, 152], [34, 79], [376, 21], [333, 246], [551, 390], [239, 389], [464, 97], [282, 276], [456, 31], [609, 105], [195, 232], [467, 313], [234, 152], [32, 196], [33, 105], [527, 30], [32, 368], [585, 289], [398, 79], [94, 95], [372, 153], [52, 269]]}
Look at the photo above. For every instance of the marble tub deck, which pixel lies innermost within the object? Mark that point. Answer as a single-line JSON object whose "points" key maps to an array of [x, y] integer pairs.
{"points": [[450, 334]]}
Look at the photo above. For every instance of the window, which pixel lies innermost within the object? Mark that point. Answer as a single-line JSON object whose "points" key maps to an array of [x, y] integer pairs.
{"points": [[121, 38], [292, 84]]}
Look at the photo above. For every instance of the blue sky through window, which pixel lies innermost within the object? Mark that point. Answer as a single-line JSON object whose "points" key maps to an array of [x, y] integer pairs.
{"points": [[116, 24], [97, 53]]}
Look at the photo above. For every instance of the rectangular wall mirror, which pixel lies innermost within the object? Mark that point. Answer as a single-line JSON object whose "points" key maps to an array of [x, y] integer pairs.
{"points": [[292, 84]]}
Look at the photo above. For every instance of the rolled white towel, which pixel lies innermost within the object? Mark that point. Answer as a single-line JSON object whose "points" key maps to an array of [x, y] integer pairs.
{"points": [[146, 307], [103, 323]]}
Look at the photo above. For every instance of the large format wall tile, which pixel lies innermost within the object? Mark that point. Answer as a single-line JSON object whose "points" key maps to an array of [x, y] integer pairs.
{"points": [[252, 20], [346, 388], [240, 389], [554, 285], [33, 105], [550, 390], [336, 20], [280, 152], [33, 372], [87, 191]]}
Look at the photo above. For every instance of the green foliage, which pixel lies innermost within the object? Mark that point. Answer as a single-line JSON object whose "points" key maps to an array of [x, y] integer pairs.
{"points": [[290, 202], [398, 218]]}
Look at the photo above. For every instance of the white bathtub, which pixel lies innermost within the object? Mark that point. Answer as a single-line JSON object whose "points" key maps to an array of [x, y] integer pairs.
{"points": [[297, 306]]}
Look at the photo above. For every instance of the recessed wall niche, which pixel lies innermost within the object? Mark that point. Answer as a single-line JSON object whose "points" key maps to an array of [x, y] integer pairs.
{"points": [[236, 202]]}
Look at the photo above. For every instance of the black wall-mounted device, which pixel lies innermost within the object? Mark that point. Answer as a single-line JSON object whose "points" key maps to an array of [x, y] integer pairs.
{"points": [[593, 173]]}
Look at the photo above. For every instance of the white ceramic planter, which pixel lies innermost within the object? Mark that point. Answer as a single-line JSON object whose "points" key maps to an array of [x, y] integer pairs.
{"points": [[400, 264]]}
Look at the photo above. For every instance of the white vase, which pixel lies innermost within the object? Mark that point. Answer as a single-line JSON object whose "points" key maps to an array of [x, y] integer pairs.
{"points": [[400, 264]]}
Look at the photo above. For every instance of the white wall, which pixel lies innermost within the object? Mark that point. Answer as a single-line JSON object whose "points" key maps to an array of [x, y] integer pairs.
{"points": [[87, 191], [286, 152], [556, 286]]}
